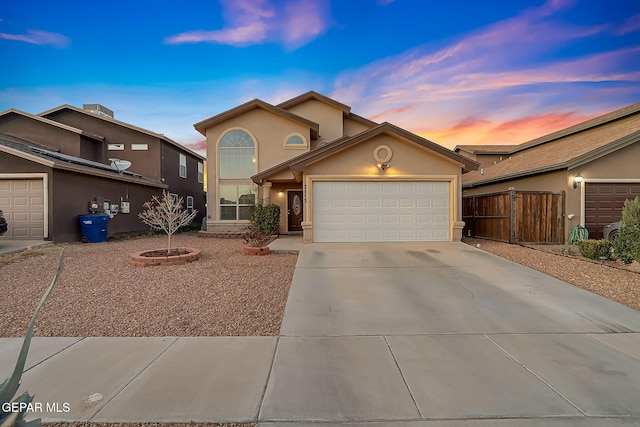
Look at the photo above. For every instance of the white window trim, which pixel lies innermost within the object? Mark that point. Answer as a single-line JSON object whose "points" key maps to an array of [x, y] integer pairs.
{"points": [[182, 164], [201, 172], [139, 147], [115, 147], [288, 146], [190, 203]]}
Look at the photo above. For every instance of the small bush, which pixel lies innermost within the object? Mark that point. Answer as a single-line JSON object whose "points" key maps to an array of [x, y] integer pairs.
{"points": [[595, 249], [266, 218], [627, 244]]}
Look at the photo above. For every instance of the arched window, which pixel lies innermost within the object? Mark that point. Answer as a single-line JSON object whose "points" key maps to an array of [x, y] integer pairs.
{"points": [[237, 155], [237, 163], [296, 141]]}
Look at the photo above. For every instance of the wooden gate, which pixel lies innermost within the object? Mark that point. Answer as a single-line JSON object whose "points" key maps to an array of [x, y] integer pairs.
{"points": [[515, 216]]}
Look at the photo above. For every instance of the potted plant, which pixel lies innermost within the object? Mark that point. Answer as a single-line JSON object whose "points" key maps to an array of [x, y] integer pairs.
{"points": [[262, 229]]}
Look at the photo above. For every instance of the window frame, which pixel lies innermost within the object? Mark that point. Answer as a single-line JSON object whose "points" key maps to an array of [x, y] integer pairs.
{"points": [[201, 172], [190, 204], [303, 146], [182, 166]]}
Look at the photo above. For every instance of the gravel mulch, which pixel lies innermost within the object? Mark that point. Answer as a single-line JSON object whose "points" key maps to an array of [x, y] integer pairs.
{"points": [[609, 279], [99, 294]]}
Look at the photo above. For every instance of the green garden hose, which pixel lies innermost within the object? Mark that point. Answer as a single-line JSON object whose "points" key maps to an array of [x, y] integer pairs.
{"points": [[578, 233]]}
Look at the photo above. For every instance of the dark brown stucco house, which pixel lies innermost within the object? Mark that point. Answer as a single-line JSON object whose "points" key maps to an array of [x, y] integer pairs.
{"points": [[540, 190], [53, 164]]}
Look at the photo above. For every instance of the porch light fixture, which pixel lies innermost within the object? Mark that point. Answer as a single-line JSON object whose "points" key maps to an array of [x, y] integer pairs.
{"points": [[383, 166], [577, 180], [280, 192]]}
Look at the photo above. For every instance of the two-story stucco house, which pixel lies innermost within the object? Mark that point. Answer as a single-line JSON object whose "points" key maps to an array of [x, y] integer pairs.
{"points": [[337, 176]]}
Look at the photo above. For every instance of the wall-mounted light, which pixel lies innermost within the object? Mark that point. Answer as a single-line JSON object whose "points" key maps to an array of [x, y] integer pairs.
{"points": [[383, 166], [577, 181], [280, 192]]}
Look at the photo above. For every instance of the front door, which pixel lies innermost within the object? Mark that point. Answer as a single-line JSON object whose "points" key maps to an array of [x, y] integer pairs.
{"points": [[294, 210]]}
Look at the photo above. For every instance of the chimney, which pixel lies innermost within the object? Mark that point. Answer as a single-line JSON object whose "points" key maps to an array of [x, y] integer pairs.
{"points": [[98, 109]]}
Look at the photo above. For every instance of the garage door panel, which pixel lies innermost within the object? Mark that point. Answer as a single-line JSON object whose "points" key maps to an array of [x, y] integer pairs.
{"points": [[604, 203], [381, 211], [22, 201]]}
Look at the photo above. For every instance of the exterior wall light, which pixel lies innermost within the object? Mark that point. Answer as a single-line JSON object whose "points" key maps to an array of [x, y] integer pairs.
{"points": [[280, 192], [577, 181], [383, 166]]}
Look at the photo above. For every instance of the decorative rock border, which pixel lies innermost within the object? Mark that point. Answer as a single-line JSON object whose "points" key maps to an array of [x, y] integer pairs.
{"points": [[221, 235], [250, 250], [139, 260]]}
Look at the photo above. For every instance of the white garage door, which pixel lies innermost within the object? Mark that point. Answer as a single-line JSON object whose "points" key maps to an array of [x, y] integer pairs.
{"points": [[22, 201], [380, 211]]}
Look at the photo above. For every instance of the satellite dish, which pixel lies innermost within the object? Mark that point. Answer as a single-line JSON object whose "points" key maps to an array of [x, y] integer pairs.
{"points": [[120, 165]]}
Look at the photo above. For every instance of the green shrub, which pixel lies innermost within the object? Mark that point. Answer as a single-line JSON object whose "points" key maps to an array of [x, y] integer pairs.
{"points": [[266, 218], [627, 244], [631, 211], [595, 249]]}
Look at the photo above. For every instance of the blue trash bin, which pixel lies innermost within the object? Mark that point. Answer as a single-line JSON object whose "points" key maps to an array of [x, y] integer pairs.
{"points": [[94, 227]]}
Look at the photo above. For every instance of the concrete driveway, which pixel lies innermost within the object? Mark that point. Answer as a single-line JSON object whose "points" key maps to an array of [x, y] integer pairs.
{"points": [[444, 334]]}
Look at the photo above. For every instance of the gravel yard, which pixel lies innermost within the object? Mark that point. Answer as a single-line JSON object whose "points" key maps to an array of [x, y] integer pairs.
{"points": [[99, 294], [609, 279], [223, 294]]}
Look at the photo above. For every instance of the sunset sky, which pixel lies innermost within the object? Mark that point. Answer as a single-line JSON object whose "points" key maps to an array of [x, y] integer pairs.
{"points": [[498, 72]]}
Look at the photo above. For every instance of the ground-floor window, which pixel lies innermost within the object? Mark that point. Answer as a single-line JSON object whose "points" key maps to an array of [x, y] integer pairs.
{"points": [[236, 201], [189, 205]]}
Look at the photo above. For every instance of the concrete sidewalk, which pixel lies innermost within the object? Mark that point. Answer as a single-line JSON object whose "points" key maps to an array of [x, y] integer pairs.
{"points": [[413, 335], [11, 246]]}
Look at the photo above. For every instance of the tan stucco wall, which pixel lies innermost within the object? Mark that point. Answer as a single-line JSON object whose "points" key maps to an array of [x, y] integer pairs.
{"points": [[352, 127], [622, 165], [329, 118], [409, 162], [619, 166], [269, 131]]}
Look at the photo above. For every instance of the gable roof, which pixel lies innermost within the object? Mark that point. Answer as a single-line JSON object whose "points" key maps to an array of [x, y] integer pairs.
{"points": [[12, 112], [565, 149], [36, 153], [318, 97], [248, 106], [160, 136], [485, 149], [298, 163]]}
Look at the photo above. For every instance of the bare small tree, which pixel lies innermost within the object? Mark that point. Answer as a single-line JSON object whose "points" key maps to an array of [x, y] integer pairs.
{"points": [[166, 214]]}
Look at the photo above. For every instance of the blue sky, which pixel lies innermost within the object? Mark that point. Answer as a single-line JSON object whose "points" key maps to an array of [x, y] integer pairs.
{"points": [[469, 72]]}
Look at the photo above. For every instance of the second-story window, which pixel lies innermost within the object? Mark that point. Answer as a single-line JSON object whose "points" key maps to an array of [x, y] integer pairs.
{"points": [[200, 172], [183, 166]]}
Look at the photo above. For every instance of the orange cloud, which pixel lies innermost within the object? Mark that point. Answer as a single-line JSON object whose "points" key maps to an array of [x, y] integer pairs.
{"points": [[390, 112], [199, 147], [475, 130]]}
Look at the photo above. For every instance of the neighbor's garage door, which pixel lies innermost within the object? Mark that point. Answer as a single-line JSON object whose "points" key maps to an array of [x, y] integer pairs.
{"points": [[603, 203], [22, 201], [380, 211]]}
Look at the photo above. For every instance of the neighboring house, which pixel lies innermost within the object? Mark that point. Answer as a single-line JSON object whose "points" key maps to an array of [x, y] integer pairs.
{"points": [[336, 176], [540, 190], [52, 165]]}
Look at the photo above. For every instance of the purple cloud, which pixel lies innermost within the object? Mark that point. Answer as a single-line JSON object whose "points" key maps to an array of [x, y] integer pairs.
{"points": [[498, 74], [39, 38], [250, 22]]}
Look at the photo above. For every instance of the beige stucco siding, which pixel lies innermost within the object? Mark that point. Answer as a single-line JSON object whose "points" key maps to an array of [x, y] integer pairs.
{"points": [[409, 162], [269, 132], [328, 117], [352, 127]]}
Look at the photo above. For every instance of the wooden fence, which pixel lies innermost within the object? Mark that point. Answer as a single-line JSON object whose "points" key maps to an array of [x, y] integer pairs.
{"points": [[515, 216]]}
